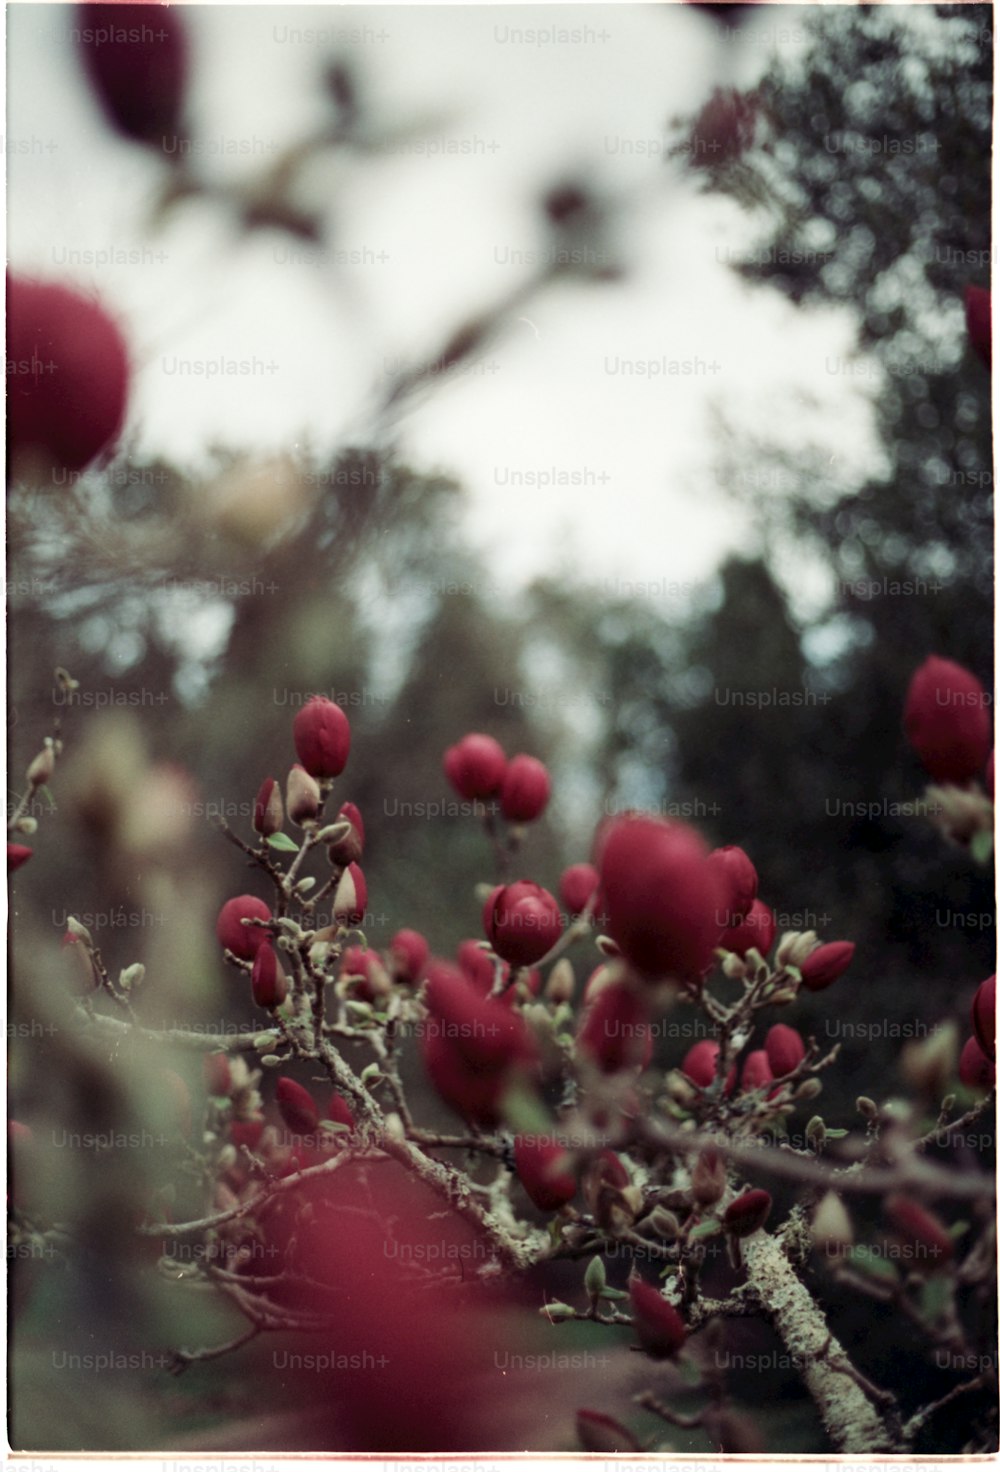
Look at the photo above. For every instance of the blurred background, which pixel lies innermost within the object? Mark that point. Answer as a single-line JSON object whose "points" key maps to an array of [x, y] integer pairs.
{"points": [[473, 389]]}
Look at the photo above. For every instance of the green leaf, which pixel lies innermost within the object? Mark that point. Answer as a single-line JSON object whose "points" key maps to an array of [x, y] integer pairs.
{"points": [[614, 1295], [557, 1311], [934, 1297], [334, 1127], [836, 1134], [958, 1229], [44, 792], [371, 1073], [982, 846], [876, 1267], [283, 843], [703, 1230], [595, 1279]]}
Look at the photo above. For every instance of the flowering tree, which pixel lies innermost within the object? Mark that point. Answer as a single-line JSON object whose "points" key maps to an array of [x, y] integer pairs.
{"points": [[590, 1180]]}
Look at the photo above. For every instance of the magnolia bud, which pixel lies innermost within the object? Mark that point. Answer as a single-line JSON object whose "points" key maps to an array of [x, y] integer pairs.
{"points": [[658, 1326], [297, 1107], [545, 1171], [747, 1214], [17, 854], [708, 1178], [561, 983], [475, 766], [347, 846], [948, 720], [79, 931], [928, 1064], [132, 976], [823, 965], [522, 922], [809, 1088], [926, 1236], [302, 796], [322, 736], [525, 790], [41, 769], [408, 953], [794, 946], [866, 1107], [268, 810], [351, 899], [785, 1049], [816, 1132], [27, 825], [831, 1229], [984, 1016], [268, 980], [243, 940], [756, 1071]]}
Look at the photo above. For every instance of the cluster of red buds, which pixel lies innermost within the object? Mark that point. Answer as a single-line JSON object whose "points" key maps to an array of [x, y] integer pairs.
{"points": [[478, 769]]}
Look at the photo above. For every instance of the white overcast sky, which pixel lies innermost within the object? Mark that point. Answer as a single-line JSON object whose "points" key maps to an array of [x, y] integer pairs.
{"points": [[649, 508]]}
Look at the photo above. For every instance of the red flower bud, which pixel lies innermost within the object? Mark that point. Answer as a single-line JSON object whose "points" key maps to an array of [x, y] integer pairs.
{"points": [[660, 895], [747, 1214], [545, 1171], [339, 1111], [577, 886], [479, 966], [246, 1132], [984, 1016], [700, 1063], [988, 774], [17, 854], [975, 1069], [348, 850], [708, 1178], [599, 1433], [322, 736], [137, 65], [217, 1074], [822, 967], [977, 321], [785, 1049], [526, 789], [302, 796], [408, 953], [614, 1030], [523, 922], [658, 1326], [268, 810], [267, 979], [475, 766], [740, 880], [243, 940], [473, 1046], [367, 965], [756, 1071], [67, 375], [947, 720], [755, 931], [297, 1107], [926, 1236], [351, 899]]}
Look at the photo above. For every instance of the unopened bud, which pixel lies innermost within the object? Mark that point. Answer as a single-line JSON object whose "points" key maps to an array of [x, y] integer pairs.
{"points": [[708, 1178], [810, 1088], [747, 1214], [831, 1228], [929, 1064], [268, 809], [561, 983], [132, 976], [734, 966], [866, 1107], [794, 946], [227, 1157], [783, 996], [27, 825], [80, 931], [595, 1280], [816, 1131], [333, 832], [41, 769], [302, 796]]}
